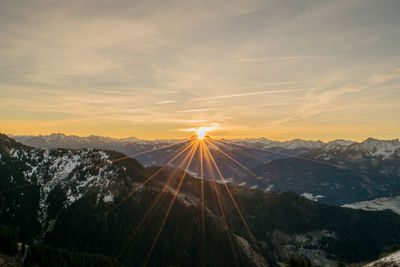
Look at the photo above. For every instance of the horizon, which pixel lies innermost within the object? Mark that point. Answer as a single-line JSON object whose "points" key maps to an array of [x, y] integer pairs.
{"points": [[193, 134], [310, 69]]}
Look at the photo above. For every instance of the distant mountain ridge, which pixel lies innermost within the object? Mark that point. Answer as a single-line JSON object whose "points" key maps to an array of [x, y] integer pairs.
{"points": [[290, 144], [337, 172], [370, 145], [60, 140]]}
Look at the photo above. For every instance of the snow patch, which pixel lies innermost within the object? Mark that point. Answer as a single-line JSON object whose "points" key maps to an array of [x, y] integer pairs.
{"points": [[269, 188], [225, 180], [384, 203], [14, 153], [391, 260], [312, 197], [193, 174], [108, 198]]}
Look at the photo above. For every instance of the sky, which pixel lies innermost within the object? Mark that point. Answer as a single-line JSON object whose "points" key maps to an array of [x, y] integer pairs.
{"points": [[154, 69]]}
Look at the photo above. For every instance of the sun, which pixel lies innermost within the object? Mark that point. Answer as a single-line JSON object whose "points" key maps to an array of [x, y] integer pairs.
{"points": [[201, 133]]}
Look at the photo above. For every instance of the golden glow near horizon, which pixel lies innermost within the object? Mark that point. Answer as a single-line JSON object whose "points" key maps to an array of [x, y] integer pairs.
{"points": [[201, 131], [249, 67]]}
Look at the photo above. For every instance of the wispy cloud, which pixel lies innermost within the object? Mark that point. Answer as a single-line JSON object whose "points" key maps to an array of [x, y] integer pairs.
{"points": [[196, 110], [291, 58], [165, 102], [319, 101], [249, 94], [270, 84], [341, 98], [192, 121]]}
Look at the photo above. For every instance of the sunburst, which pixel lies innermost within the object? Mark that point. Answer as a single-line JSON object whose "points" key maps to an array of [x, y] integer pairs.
{"points": [[199, 144]]}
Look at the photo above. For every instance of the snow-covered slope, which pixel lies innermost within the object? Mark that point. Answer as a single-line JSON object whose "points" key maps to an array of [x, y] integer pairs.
{"points": [[338, 144], [374, 147], [370, 146], [291, 144], [384, 203], [67, 170], [77, 173], [392, 260]]}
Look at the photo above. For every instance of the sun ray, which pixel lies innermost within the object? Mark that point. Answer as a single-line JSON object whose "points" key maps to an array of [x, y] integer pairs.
{"points": [[169, 162], [213, 180], [233, 200], [167, 183], [171, 204], [235, 161], [155, 174], [160, 195], [231, 158], [218, 196], [241, 151], [202, 206], [164, 189]]}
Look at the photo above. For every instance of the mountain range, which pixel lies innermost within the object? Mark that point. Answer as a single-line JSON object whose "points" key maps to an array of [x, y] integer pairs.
{"points": [[338, 172], [65, 202]]}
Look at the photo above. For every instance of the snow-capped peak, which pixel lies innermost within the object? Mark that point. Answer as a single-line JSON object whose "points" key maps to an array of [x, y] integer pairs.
{"points": [[300, 143], [385, 148], [291, 144], [338, 144]]}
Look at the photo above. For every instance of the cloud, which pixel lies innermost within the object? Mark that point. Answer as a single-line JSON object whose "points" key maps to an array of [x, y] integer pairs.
{"points": [[347, 97], [196, 110], [249, 94], [207, 128], [165, 102], [135, 61], [290, 58], [319, 101]]}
